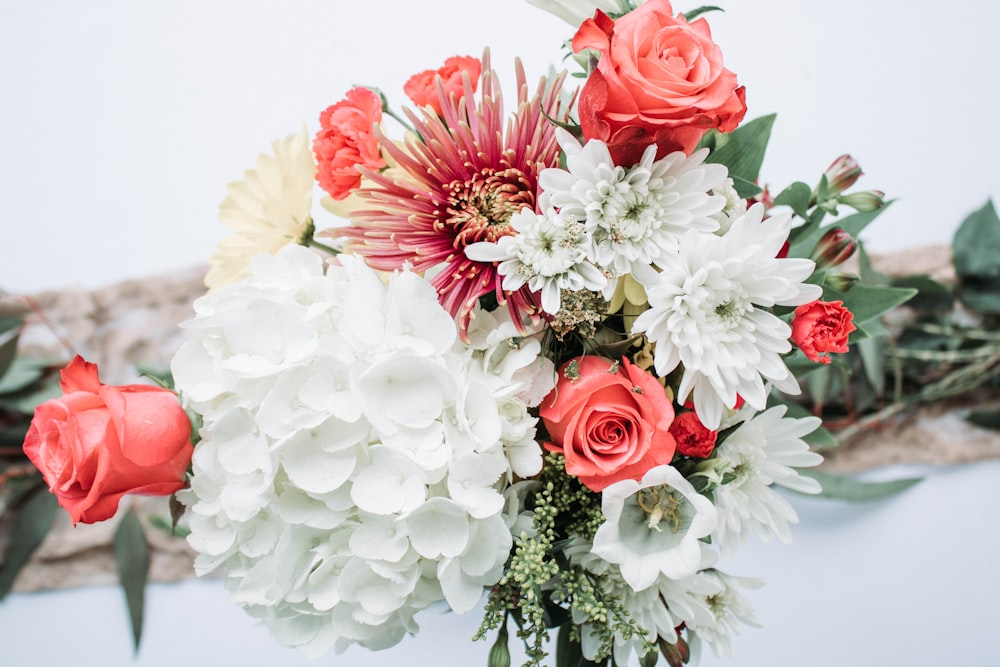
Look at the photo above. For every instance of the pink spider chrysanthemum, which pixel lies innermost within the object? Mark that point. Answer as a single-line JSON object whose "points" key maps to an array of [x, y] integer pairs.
{"points": [[459, 183]]}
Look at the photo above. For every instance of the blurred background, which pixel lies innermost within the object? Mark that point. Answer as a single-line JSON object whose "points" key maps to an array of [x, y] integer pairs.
{"points": [[123, 121]]}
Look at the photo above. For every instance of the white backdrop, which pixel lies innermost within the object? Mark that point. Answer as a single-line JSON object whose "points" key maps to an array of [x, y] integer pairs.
{"points": [[123, 120]]}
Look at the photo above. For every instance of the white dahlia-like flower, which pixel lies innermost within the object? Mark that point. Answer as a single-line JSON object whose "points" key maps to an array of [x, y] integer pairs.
{"points": [[730, 610], [708, 310], [548, 253], [659, 609], [734, 208], [763, 451], [634, 215], [354, 451], [269, 209], [652, 527]]}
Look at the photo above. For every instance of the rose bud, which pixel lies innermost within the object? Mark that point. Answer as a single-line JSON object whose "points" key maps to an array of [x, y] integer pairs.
{"points": [[841, 174], [834, 248], [96, 443], [864, 201]]}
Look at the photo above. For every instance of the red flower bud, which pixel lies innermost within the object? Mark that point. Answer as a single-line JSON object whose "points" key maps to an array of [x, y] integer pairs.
{"points": [[841, 174], [834, 248]]}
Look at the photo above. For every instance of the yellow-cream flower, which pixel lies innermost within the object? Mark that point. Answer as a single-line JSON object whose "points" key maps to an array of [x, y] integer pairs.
{"points": [[269, 209]]}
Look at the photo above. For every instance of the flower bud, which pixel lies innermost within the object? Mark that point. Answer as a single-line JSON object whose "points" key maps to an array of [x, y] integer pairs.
{"points": [[841, 281], [834, 248], [841, 174], [867, 200]]}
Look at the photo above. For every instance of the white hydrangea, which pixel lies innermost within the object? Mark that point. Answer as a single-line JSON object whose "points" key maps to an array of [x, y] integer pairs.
{"points": [[709, 311], [762, 452], [354, 451]]}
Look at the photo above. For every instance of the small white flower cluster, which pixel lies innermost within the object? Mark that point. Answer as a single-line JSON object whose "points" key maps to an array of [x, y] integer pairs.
{"points": [[354, 452]]}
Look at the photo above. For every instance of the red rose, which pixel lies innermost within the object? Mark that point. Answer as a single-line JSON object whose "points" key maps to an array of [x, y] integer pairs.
{"points": [[345, 140], [822, 326], [422, 87], [693, 438], [659, 80], [610, 420], [96, 443]]}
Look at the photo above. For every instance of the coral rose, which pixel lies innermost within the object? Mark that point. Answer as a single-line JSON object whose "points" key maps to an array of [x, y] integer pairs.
{"points": [[820, 327], [345, 140], [692, 437], [659, 80], [610, 421], [422, 88], [97, 443]]}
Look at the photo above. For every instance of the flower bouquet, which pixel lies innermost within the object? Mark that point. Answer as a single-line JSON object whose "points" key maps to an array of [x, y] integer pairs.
{"points": [[542, 351]]}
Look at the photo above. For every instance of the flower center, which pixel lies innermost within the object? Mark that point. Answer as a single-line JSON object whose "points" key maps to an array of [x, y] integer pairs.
{"points": [[660, 503], [480, 208]]}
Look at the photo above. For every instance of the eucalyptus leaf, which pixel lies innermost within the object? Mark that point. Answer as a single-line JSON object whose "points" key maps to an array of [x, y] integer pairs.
{"points": [[31, 525], [132, 556], [742, 150], [842, 487], [23, 372], [746, 189], [872, 353], [10, 329], [976, 244], [988, 419], [866, 302], [704, 9], [796, 196]]}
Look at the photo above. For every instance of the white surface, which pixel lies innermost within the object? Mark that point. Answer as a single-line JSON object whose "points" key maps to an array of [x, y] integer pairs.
{"points": [[123, 121], [910, 580]]}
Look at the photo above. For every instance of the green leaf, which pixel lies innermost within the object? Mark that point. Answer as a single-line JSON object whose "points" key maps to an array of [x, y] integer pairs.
{"points": [[695, 13], [805, 241], [842, 487], [569, 653], [981, 293], [31, 525], [976, 244], [742, 150], [796, 196], [872, 355], [22, 373], [10, 329], [867, 303], [161, 376], [746, 189], [132, 556], [931, 297], [988, 419]]}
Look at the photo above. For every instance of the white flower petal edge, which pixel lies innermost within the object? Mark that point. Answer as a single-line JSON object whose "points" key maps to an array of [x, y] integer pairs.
{"points": [[708, 311], [354, 451], [652, 527]]}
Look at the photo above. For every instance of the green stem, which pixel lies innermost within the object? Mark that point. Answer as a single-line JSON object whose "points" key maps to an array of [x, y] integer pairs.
{"points": [[313, 243]]}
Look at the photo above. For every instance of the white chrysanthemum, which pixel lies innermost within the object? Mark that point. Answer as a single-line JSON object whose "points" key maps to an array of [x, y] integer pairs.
{"points": [[729, 610], [708, 312], [269, 209], [634, 215], [548, 253], [761, 452], [734, 208], [354, 452], [652, 527]]}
